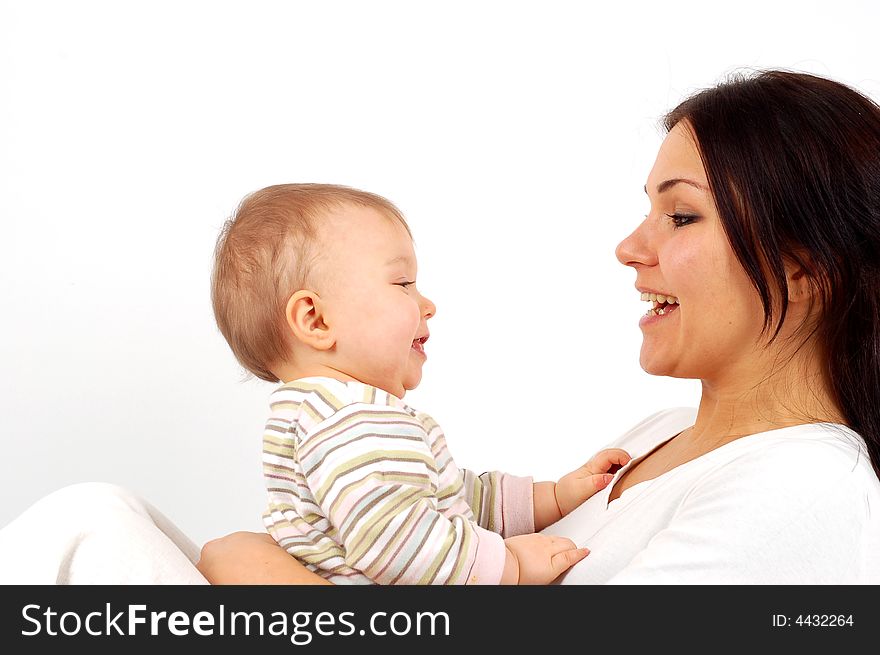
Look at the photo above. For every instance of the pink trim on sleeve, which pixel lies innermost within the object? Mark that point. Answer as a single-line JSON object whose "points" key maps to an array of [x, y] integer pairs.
{"points": [[489, 558], [518, 509]]}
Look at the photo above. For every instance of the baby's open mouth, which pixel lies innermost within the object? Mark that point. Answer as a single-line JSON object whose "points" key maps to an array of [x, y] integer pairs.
{"points": [[419, 344]]}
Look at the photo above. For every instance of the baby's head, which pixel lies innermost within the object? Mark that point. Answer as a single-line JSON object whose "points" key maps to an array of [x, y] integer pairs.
{"points": [[319, 279]]}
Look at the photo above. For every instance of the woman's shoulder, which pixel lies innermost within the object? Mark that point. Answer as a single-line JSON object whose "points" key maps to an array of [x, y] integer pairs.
{"points": [[801, 454], [811, 466], [813, 453]]}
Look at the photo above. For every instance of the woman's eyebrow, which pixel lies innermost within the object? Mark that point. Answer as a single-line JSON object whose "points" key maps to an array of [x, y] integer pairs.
{"points": [[668, 184]]}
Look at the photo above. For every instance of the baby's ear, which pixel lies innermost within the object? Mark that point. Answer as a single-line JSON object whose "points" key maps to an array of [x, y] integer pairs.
{"points": [[306, 321]]}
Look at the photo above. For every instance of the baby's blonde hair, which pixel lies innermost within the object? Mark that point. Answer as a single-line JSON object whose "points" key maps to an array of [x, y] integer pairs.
{"points": [[264, 255]]}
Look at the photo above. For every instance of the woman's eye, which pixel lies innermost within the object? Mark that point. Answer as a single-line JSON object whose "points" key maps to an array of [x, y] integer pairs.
{"points": [[680, 220]]}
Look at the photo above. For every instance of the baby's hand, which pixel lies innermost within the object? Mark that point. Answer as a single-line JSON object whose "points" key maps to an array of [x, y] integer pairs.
{"points": [[539, 558], [575, 487]]}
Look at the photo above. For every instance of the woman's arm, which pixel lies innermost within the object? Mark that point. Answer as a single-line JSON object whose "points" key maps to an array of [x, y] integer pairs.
{"points": [[252, 558]]}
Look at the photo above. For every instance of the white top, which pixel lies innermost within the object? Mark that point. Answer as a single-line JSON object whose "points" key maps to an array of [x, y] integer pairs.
{"points": [[796, 505]]}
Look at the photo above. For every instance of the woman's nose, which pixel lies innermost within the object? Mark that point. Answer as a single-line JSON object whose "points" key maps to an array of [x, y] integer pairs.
{"points": [[636, 248]]}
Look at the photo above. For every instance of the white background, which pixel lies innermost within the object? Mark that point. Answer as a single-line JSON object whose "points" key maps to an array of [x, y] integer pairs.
{"points": [[515, 136]]}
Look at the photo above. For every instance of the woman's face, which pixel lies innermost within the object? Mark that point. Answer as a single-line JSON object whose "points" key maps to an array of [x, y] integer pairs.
{"points": [[681, 250]]}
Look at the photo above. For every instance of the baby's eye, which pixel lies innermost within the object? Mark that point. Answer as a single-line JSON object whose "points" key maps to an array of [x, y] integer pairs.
{"points": [[403, 284], [680, 220]]}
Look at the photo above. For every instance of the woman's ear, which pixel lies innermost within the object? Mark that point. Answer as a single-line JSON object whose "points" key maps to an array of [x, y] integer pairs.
{"points": [[306, 321], [798, 278]]}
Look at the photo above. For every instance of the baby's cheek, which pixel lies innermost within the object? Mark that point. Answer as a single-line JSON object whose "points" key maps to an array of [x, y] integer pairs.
{"points": [[410, 314]]}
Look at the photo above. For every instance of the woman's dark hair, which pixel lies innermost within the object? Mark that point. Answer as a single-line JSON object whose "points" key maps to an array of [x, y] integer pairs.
{"points": [[793, 162]]}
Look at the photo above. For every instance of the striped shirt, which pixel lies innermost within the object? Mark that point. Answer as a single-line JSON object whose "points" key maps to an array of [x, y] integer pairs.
{"points": [[362, 489]]}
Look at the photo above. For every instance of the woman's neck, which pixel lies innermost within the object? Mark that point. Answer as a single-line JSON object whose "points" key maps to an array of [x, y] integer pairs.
{"points": [[795, 393]]}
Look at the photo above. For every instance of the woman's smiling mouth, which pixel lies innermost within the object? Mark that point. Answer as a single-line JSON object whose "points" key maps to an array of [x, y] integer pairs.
{"points": [[663, 305]]}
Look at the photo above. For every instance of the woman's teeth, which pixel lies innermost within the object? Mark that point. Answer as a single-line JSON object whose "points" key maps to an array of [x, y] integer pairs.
{"points": [[662, 303], [660, 298]]}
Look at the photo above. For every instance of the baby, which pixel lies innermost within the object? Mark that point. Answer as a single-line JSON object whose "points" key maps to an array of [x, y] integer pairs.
{"points": [[314, 286]]}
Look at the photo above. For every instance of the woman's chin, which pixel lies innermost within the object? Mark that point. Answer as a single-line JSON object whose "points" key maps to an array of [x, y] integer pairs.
{"points": [[653, 365]]}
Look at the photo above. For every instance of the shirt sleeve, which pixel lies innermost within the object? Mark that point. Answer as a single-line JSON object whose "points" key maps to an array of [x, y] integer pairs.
{"points": [[373, 475], [771, 519], [501, 502]]}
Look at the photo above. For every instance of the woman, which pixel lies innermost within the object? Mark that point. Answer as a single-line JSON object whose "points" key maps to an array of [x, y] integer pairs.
{"points": [[762, 249], [761, 256]]}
